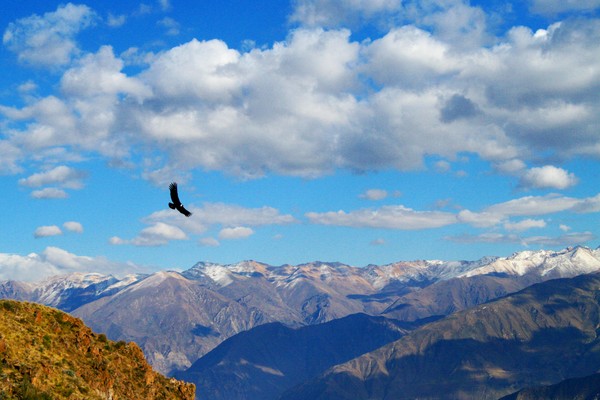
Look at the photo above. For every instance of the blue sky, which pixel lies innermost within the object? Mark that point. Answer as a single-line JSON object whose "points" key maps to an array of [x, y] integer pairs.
{"points": [[352, 131]]}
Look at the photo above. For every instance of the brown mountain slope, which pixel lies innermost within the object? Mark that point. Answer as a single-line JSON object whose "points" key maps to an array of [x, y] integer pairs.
{"points": [[539, 336], [47, 354]]}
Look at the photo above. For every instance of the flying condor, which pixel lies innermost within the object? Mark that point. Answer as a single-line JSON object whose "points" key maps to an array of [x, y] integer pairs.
{"points": [[176, 203]]}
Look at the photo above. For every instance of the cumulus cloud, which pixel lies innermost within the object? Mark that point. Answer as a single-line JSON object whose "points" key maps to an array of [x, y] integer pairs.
{"points": [[157, 234], [62, 175], [46, 231], [235, 222], [320, 101], [238, 232], [48, 40], [73, 226], [548, 177], [56, 261]]}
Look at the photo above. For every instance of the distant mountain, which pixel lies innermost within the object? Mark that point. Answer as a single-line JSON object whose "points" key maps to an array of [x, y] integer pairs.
{"points": [[67, 292], [174, 319], [178, 317], [499, 277], [263, 362], [539, 336], [48, 354]]}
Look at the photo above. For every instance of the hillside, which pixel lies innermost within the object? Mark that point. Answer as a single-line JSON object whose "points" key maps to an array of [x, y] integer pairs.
{"points": [[47, 354], [263, 362], [539, 336]]}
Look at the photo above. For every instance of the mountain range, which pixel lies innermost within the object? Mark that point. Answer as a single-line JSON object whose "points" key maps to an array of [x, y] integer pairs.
{"points": [[541, 335], [265, 361], [179, 317]]}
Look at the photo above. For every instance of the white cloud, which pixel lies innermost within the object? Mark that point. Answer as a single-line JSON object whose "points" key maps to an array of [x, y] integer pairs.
{"points": [[525, 224], [388, 217], [564, 228], [548, 177], [374, 194], [170, 25], [100, 74], [62, 175], [335, 12], [166, 225], [320, 101], [588, 205], [488, 237], [228, 215], [209, 242], [48, 39], [482, 219], [116, 20], [568, 239], [73, 226], [46, 231], [534, 205], [238, 232], [409, 57], [158, 234], [49, 193], [55, 261], [400, 217]]}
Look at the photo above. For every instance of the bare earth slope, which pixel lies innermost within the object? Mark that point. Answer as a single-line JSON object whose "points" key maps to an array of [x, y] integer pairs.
{"points": [[47, 354]]}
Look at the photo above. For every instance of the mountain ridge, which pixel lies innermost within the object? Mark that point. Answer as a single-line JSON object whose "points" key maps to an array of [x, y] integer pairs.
{"points": [[218, 301], [538, 336]]}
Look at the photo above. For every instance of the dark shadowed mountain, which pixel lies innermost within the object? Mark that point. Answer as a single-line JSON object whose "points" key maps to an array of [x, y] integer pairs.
{"points": [[585, 388], [265, 361], [539, 336]]}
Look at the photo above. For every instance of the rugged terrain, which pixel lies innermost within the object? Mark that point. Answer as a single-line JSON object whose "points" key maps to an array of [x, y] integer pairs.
{"points": [[177, 317], [262, 363], [539, 336], [48, 354]]}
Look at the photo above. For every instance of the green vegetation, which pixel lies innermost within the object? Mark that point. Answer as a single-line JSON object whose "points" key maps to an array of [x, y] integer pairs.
{"points": [[48, 354]]}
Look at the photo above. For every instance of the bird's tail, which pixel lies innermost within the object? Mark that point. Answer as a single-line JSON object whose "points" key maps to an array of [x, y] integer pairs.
{"points": [[172, 206]]}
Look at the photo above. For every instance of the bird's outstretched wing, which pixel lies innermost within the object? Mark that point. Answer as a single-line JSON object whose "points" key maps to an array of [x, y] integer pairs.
{"points": [[174, 195], [176, 203], [182, 210]]}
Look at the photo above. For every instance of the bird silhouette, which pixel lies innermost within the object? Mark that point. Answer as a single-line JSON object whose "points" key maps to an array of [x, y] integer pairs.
{"points": [[176, 203]]}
